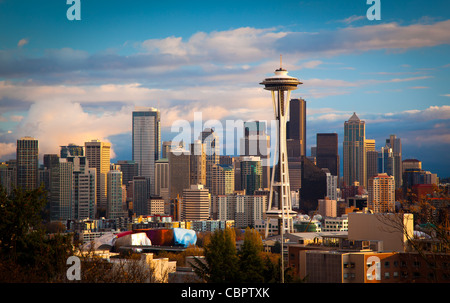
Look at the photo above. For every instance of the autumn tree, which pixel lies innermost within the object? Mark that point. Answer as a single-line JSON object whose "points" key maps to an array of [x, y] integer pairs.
{"points": [[27, 253], [221, 258], [251, 263]]}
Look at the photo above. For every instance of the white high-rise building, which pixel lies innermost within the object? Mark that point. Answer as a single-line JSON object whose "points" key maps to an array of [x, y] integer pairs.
{"points": [[84, 198], [146, 142], [245, 210], [331, 186]]}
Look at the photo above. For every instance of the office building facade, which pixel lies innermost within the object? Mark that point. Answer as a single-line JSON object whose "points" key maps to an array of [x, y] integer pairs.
{"points": [[196, 203], [251, 174], [354, 151], [98, 155], [381, 196], [327, 152], [115, 206], [146, 142], [27, 163], [296, 128]]}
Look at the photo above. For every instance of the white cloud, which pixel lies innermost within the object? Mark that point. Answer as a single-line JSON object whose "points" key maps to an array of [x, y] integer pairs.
{"points": [[352, 19], [7, 149], [237, 45], [22, 42], [59, 122]]}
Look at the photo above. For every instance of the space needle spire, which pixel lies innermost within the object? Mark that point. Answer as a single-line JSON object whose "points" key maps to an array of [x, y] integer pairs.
{"points": [[280, 204]]}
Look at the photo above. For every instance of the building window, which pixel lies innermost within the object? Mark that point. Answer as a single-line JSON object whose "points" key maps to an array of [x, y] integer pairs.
{"points": [[386, 264], [386, 275]]}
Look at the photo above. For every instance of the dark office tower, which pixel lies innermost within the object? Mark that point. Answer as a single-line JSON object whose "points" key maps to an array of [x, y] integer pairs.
{"points": [[296, 128], [396, 145], [141, 195], [50, 160], [327, 154], [314, 185], [27, 163], [71, 150], [256, 142], [129, 170], [372, 163]]}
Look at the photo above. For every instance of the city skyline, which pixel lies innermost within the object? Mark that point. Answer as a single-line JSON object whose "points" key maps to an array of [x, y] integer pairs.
{"points": [[67, 81]]}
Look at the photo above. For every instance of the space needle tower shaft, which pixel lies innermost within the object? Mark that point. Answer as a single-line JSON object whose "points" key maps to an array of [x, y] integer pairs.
{"points": [[279, 204]]}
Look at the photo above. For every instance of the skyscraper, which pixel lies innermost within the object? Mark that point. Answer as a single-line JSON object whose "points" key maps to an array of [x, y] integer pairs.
{"points": [[296, 128], [223, 179], [354, 151], [196, 203], [61, 205], [115, 206], [84, 195], [140, 195], [179, 172], [27, 156], [161, 175], [146, 142], [386, 161], [396, 145], [98, 155], [251, 174], [256, 142], [197, 163], [371, 159], [381, 190], [212, 150], [327, 154]]}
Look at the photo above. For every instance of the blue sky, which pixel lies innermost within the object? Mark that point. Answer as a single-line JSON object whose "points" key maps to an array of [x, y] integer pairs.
{"points": [[67, 81]]}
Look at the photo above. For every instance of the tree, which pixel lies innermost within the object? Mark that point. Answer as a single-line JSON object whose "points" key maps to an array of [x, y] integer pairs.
{"points": [[27, 253], [221, 258], [251, 263], [431, 217]]}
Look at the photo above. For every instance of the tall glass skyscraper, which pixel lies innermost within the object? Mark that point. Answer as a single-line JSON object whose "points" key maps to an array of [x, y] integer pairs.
{"points": [[146, 142], [354, 151]]}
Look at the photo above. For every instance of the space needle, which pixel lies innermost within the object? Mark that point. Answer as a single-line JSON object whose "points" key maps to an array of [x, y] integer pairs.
{"points": [[280, 204]]}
